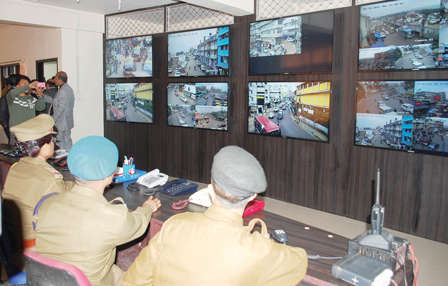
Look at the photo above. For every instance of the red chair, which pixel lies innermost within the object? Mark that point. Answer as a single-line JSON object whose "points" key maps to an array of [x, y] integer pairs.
{"points": [[41, 270]]}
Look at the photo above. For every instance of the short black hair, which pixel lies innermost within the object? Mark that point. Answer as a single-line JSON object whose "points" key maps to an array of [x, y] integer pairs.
{"points": [[14, 79], [51, 83], [24, 77]]}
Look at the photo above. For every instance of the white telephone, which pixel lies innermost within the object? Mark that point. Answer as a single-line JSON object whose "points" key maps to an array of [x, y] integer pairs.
{"points": [[153, 179], [202, 198]]}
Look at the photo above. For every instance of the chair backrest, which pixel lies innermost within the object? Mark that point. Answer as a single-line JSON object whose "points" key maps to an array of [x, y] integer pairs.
{"points": [[45, 271]]}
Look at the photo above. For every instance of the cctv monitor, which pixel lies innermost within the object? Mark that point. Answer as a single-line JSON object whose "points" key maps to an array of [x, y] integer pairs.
{"points": [[129, 57], [299, 110], [129, 102], [296, 44], [403, 35], [198, 105], [199, 53], [402, 115]]}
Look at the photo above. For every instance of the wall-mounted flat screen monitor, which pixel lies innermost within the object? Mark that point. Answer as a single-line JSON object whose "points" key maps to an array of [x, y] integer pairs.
{"points": [[131, 102], [402, 115], [199, 53], [403, 35], [290, 109], [129, 57], [198, 105], [297, 44]]}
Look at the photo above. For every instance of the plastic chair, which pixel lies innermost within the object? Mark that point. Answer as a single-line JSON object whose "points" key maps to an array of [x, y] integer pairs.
{"points": [[45, 271]]}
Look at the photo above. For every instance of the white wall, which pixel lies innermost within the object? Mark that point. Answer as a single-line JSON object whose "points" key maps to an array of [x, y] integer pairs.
{"points": [[29, 43], [75, 38]]}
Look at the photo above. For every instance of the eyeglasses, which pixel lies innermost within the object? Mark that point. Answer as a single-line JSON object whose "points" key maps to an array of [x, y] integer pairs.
{"points": [[53, 139]]}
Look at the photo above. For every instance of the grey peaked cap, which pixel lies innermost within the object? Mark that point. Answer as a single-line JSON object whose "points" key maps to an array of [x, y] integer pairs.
{"points": [[237, 172]]}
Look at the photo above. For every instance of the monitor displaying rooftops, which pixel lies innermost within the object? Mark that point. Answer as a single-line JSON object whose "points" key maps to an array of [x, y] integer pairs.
{"points": [[403, 35]]}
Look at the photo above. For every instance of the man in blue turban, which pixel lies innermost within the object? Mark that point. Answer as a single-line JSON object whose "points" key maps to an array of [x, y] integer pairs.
{"points": [[79, 226]]}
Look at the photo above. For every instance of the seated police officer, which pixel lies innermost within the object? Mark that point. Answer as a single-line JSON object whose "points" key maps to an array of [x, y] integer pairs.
{"points": [[214, 248], [79, 226]]}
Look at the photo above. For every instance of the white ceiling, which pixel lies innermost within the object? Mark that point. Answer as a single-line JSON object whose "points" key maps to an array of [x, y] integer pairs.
{"points": [[103, 6]]}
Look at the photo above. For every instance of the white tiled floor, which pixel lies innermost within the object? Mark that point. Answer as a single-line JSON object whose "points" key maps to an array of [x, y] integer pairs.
{"points": [[432, 256]]}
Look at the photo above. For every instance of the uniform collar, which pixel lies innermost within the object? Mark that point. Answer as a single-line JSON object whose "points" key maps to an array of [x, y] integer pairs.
{"points": [[221, 213], [84, 191], [35, 161]]}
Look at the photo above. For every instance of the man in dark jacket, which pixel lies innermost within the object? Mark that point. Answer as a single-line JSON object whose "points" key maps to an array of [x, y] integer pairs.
{"points": [[13, 81]]}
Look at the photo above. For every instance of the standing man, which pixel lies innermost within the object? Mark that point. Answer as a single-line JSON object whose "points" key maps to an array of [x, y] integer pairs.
{"points": [[215, 248], [63, 104], [23, 106], [13, 81], [80, 226]]}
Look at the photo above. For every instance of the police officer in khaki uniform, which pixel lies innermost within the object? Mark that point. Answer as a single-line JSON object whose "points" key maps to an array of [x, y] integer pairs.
{"points": [[28, 181], [79, 226], [214, 248]]}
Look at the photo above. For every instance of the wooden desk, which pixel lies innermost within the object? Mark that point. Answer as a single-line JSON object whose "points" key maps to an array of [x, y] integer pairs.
{"points": [[313, 240]]}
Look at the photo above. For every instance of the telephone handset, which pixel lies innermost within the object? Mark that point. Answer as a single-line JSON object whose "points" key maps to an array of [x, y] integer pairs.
{"points": [[153, 179]]}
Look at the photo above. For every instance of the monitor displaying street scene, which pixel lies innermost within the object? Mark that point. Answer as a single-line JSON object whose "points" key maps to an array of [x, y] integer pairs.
{"points": [[131, 102], [402, 115], [290, 109], [403, 35], [129, 57], [276, 37], [199, 53], [198, 105], [295, 44]]}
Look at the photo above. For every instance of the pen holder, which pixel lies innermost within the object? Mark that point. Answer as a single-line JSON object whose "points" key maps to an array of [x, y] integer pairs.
{"points": [[128, 169]]}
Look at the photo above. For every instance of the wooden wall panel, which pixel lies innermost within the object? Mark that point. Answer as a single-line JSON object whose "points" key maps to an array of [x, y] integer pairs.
{"points": [[336, 177]]}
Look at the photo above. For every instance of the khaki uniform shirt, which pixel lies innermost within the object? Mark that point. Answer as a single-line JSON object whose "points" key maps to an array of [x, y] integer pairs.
{"points": [[28, 181], [214, 248], [80, 227]]}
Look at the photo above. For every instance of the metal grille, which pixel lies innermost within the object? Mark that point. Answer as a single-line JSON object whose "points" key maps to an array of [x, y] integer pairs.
{"points": [[362, 2], [268, 9], [186, 17], [135, 24]]}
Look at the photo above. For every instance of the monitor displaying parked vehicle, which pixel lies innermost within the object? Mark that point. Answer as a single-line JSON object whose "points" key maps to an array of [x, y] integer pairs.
{"points": [[129, 57], [403, 35], [199, 53], [290, 109], [402, 115], [131, 102], [198, 105], [296, 44]]}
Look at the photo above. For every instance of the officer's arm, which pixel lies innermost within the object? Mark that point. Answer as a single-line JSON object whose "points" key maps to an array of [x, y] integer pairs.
{"points": [[285, 265], [135, 224], [141, 271]]}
